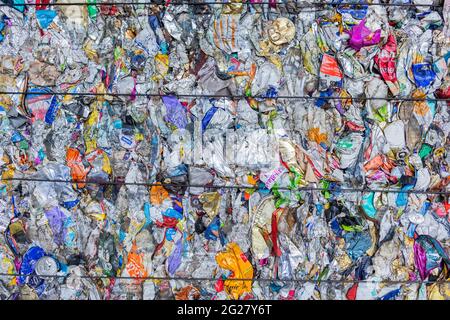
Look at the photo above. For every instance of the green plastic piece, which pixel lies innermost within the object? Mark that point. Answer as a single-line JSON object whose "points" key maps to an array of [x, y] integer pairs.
{"points": [[92, 10], [425, 150]]}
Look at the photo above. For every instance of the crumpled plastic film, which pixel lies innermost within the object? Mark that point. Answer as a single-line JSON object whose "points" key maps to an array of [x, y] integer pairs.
{"points": [[224, 151]]}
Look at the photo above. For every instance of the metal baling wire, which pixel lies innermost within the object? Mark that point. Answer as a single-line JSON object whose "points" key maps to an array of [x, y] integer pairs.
{"points": [[93, 94], [233, 279], [314, 4], [203, 13], [317, 5], [187, 185], [304, 10]]}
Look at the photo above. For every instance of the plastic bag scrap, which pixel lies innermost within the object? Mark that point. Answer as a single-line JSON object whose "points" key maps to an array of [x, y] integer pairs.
{"points": [[185, 159]]}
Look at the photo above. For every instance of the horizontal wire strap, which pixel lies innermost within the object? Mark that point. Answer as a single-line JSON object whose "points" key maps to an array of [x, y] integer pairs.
{"points": [[218, 96], [233, 279], [315, 4], [189, 185]]}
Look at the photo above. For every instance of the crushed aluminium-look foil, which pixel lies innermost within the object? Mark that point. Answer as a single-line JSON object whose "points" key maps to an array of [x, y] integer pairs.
{"points": [[202, 128]]}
